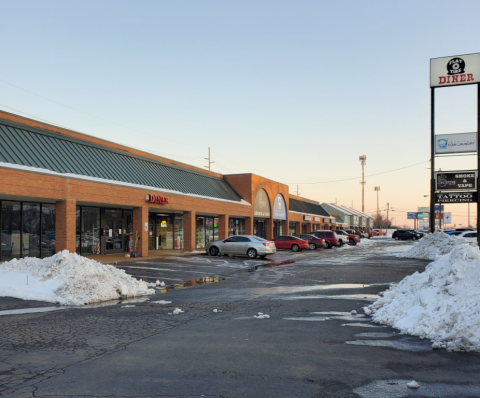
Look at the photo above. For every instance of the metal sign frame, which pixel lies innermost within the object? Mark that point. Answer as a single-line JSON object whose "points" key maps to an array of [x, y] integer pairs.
{"points": [[455, 187], [432, 147]]}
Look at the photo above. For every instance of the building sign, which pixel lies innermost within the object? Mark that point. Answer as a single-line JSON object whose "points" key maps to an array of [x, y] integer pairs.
{"points": [[423, 209], [454, 71], [326, 220], [307, 218], [456, 181], [411, 216], [317, 219], [456, 197], [279, 208], [164, 200], [262, 205], [421, 216], [455, 143]]}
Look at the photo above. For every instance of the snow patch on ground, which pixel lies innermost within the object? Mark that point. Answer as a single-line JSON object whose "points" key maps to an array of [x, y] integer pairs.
{"points": [[68, 279], [432, 246], [441, 304]]}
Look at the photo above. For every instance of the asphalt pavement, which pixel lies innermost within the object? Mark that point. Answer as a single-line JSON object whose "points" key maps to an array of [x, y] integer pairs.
{"points": [[223, 345]]}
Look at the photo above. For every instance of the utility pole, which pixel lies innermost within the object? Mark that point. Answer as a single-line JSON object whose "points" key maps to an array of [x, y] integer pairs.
{"points": [[209, 160], [469, 215], [378, 209], [388, 209], [363, 160]]}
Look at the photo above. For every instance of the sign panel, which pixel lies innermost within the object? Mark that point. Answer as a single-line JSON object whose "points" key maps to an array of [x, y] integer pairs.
{"points": [[437, 207], [455, 143], [454, 71], [423, 209], [447, 218], [316, 218], [279, 208], [262, 205], [307, 218], [421, 216], [411, 216], [456, 180], [456, 197]]}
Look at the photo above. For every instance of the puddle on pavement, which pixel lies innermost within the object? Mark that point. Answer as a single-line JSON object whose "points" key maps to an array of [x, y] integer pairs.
{"points": [[362, 325], [190, 283], [398, 389], [308, 319], [377, 335], [345, 316], [402, 344], [368, 297], [30, 310], [255, 267], [301, 289]]}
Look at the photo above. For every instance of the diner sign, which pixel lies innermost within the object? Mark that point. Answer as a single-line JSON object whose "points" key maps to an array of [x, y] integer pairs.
{"points": [[454, 71], [163, 200]]}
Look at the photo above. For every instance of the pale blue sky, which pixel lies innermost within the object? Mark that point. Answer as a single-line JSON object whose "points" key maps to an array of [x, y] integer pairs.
{"points": [[291, 90]]}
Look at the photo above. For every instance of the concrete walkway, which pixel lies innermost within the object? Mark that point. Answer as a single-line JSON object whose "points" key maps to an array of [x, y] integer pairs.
{"points": [[152, 255]]}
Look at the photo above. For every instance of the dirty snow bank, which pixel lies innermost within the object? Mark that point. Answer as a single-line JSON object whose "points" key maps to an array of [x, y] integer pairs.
{"points": [[68, 279], [442, 303], [432, 246]]}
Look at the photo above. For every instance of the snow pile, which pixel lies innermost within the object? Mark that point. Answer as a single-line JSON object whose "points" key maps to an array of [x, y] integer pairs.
{"points": [[261, 315], [177, 311], [441, 304], [432, 246], [68, 279]]}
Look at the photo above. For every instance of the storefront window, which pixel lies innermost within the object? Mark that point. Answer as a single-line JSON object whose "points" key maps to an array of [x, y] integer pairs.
{"points": [[31, 230], [236, 226], [151, 231], [164, 228], [291, 228], [48, 230], [178, 232], [200, 228], [128, 245], [88, 230], [11, 216]]}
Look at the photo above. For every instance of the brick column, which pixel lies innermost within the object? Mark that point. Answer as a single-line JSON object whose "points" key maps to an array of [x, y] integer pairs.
{"points": [[65, 225], [140, 219], [285, 227], [248, 226], [298, 228], [269, 225], [309, 227], [223, 226], [189, 231]]}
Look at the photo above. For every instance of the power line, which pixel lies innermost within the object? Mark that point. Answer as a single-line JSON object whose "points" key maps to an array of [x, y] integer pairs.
{"points": [[356, 178]]}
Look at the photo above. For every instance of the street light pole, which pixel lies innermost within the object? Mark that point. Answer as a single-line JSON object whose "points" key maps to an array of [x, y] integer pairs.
{"points": [[378, 210], [363, 159]]}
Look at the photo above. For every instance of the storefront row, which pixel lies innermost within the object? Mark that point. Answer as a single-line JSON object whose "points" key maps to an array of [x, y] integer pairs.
{"points": [[42, 229]]}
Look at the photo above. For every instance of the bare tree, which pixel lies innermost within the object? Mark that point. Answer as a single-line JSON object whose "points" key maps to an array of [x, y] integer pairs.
{"points": [[380, 221]]}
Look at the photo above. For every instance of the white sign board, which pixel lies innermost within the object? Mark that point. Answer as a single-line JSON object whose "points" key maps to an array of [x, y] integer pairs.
{"points": [[454, 71], [423, 209], [455, 143]]}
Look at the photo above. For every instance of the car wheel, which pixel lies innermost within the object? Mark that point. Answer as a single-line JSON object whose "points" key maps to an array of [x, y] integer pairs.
{"points": [[396, 238], [263, 257], [295, 248], [312, 246], [252, 253], [414, 238], [351, 242], [328, 245], [340, 243], [213, 251]]}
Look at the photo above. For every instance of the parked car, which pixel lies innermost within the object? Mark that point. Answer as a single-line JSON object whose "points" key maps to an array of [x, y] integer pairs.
{"points": [[455, 231], [313, 241], [331, 238], [405, 234], [249, 245], [290, 242], [380, 232], [468, 236], [357, 232], [349, 238]]}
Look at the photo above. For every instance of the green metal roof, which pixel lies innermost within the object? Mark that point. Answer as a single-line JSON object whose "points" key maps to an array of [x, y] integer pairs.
{"points": [[339, 220], [28, 146], [307, 207]]}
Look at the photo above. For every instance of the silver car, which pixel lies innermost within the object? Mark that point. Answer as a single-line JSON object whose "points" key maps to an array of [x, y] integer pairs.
{"points": [[250, 245]]}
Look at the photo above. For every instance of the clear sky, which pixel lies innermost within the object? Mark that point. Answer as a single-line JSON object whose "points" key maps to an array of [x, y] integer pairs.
{"points": [[293, 91]]}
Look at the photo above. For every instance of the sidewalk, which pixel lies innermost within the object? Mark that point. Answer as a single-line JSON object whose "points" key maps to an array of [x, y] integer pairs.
{"points": [[152, 255]]}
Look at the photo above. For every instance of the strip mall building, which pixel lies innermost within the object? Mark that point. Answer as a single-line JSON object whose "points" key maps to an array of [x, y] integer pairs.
{"points": [[60, 189]]}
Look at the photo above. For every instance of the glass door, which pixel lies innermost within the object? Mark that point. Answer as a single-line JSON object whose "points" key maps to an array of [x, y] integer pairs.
{"points": [[164, 232]]}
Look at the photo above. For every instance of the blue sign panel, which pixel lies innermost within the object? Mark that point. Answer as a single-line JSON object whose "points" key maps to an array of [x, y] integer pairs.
{"points": [[412, 216], [279, 208], [437, 207]]}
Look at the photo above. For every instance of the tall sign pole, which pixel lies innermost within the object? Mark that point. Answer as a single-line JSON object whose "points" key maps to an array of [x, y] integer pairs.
{"points": [[432, 160], [363, 159], [478, 162]]}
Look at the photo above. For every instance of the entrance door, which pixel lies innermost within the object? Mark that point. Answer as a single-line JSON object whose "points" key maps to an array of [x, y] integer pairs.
{"points": [[114, 235], [277, 228], [259, 228], [164, 230]]}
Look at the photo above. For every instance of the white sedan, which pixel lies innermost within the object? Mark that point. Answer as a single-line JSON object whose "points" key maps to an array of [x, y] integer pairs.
{"points": [[468, 236]]}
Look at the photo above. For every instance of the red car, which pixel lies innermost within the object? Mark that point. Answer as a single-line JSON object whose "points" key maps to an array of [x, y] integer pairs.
{"points": [[313, 241], [351, 238], [290, 242], [331, 238]]}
